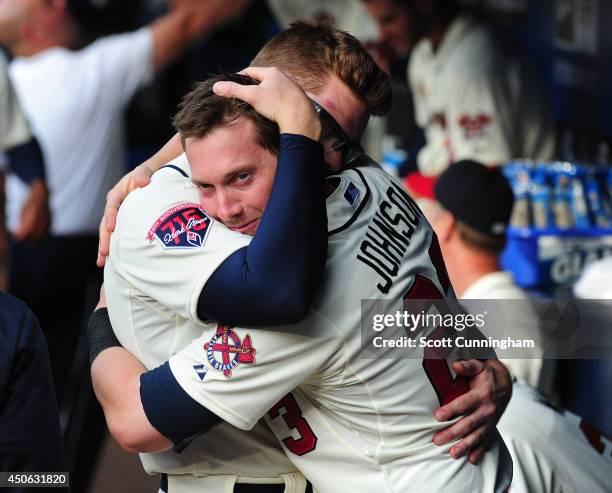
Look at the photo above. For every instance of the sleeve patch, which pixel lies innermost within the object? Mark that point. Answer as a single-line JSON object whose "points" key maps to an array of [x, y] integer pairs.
{"points": [[225, 351], [351, 193], [184, 226]]}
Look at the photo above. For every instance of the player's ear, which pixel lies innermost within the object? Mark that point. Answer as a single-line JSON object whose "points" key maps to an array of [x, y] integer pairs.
{"points": [[446, 226]]}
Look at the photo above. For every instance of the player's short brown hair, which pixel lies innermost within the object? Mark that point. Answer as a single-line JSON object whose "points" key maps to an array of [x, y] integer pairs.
{"points": [[310, 51], [201, 111], [480, 241]]}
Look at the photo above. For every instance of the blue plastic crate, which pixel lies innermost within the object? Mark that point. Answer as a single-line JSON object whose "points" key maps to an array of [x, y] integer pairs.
{"points": [[549, 258]]}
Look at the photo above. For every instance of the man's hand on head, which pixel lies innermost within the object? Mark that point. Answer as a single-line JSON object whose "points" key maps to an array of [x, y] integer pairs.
{"points": [[481, 408], [278, 98]]}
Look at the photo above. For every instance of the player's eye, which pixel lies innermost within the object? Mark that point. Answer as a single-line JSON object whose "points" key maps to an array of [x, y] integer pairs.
{"points": [[242, 177], [204, 188]]}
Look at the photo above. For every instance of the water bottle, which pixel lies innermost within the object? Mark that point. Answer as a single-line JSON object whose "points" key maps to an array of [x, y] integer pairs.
{"points": [[594, 199], [578, 204], [562, 212], [519, 180], [540, 200]]}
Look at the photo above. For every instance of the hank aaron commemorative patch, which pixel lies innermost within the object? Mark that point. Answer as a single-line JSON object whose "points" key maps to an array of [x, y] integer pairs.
{"points": [[226, 351], [184, 226]]}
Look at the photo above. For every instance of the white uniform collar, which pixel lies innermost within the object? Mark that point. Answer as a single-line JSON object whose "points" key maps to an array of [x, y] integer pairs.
{"points": [[493, 281], [181, 163]]}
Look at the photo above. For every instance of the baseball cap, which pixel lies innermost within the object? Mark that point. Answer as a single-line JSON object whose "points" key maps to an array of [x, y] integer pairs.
{"points": [[477, 196]]}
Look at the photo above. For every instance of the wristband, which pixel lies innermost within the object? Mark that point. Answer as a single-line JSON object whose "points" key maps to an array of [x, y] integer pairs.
{"points": [[100, 334]]}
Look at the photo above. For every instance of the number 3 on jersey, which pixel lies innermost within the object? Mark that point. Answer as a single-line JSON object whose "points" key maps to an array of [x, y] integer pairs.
{"points": [[295, 421]]}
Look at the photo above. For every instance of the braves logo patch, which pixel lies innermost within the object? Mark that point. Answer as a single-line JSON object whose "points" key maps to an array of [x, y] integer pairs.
{"points": [[184, 226], [226, 351]]}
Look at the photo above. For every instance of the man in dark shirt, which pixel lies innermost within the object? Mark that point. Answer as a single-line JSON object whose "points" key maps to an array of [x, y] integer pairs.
{"points": [[30, 437]]}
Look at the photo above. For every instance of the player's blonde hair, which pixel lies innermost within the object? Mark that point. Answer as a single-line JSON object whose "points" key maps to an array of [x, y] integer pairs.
{"points": [[310, 51]]}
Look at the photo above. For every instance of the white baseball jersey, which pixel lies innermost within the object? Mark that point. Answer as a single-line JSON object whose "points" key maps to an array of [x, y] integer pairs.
{"points": [[553, 450], [352, 424], [539, 373], [14, 129], [162, 252], [476, 102]]}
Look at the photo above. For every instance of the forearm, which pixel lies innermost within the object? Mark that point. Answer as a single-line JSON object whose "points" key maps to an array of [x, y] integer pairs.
{"points": [[169, 37], [187, 21], [171, 150], [115, 374], [145, 397], [38, 190], [124, 389]]}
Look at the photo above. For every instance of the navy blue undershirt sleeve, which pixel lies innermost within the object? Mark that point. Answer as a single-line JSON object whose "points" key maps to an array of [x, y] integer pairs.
{"points": [[171, 410], [26, 161], [274, 280]]}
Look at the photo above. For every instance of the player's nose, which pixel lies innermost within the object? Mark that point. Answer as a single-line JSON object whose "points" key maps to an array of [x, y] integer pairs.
{"points": [[228, 207]]}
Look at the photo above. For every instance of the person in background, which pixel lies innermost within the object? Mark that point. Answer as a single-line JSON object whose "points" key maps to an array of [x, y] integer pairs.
{"points": [[470, 217], [21, 152], [473, 97], [553, 449], [30, 438], [593, 400]]}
